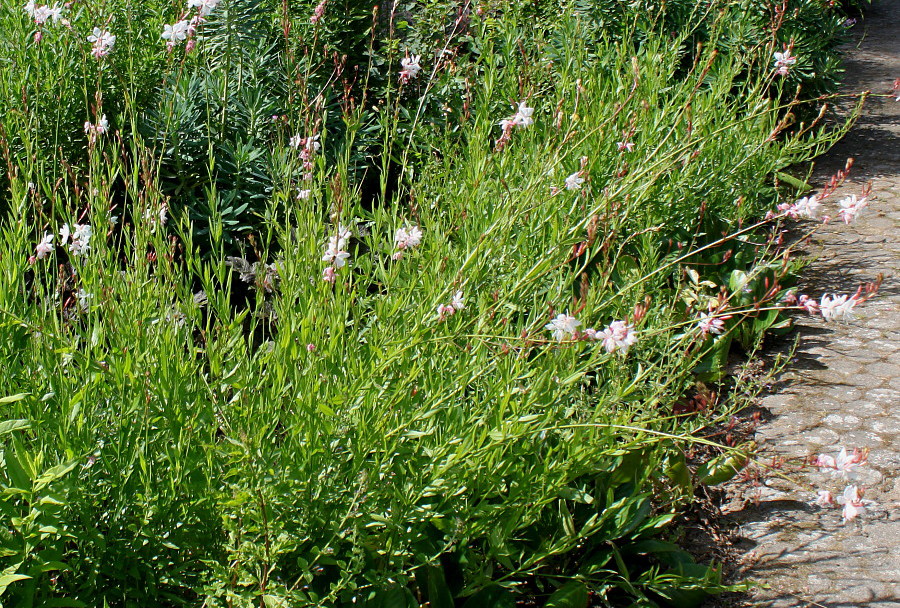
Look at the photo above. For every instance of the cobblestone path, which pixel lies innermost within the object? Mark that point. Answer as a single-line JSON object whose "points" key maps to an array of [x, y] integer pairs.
{"points": [[843, 389]]}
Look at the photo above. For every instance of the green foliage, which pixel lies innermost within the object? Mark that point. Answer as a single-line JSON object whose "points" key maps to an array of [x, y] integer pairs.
{"points": [[199, 419]]}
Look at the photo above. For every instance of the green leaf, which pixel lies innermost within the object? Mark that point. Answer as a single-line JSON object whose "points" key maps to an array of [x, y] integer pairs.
{"points": [[799, 184], [725, 466], [13, 398], [571, 595], [8, 579], [8, 426]]}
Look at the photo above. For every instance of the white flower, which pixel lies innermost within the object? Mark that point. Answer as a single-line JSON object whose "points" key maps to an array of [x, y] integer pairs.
{"points": [[853, 504], [81, 238], [837, 308], [335, 256], [64, 234], [844, 463], [302, 195], [625, 146], [406, 238], [411, 68], [522, 117], [563, 326], [448, 310], [43, 13], [574, 181], [851, 208], [783, 62], [206, 6], [807, 207], [618, 336], [102, 41], [296, 141], [45, 247], [176, 32], [102, 126]]}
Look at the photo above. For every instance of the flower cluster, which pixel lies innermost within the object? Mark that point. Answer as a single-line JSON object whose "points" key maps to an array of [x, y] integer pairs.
{"points": [[411, 68], [448, 310], [102, 41], [521, 119], [832, 307], [783, 62], [80, 235], [807, 207], [843, 465], [563, 327], [184, 28], [308, 147], [335, 254], [42, 13], [406, 238], [94, 131], [618, 335], [318, 13]]}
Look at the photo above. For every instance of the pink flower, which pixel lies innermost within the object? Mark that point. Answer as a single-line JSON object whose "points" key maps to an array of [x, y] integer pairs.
{"points": [[407, 238], [328, 274], [844, 463], [45, 247], [574, 181], [310, 348], [448, 310], [808, 304], [710, 324], [807, 207], [206, 6], [618, 336], [318, 13], [783, 62], [625, 146], [336, 257], [102, 41]]}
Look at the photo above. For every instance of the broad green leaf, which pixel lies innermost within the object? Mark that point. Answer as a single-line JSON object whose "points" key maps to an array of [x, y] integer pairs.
{"points": [[571, 595]]}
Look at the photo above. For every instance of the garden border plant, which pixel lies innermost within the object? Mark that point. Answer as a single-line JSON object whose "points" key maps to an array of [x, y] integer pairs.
{"points": [[237, 374]]}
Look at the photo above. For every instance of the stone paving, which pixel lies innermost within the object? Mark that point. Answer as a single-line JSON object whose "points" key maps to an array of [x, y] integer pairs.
{"points": [[843, 388]]}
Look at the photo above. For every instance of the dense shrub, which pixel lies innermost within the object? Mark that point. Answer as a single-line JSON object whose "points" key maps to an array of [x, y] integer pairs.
{"points": [[195, 417]]}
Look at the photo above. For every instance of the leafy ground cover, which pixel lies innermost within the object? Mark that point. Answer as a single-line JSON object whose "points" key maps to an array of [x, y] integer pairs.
{"points": [[332, 304]]}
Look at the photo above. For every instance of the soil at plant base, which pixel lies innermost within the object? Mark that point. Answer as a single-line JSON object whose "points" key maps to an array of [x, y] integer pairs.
{"points": [[843, 386]]}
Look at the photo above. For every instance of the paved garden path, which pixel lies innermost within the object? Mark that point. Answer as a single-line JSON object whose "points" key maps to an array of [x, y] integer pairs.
{"points": [[843, 388]]}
